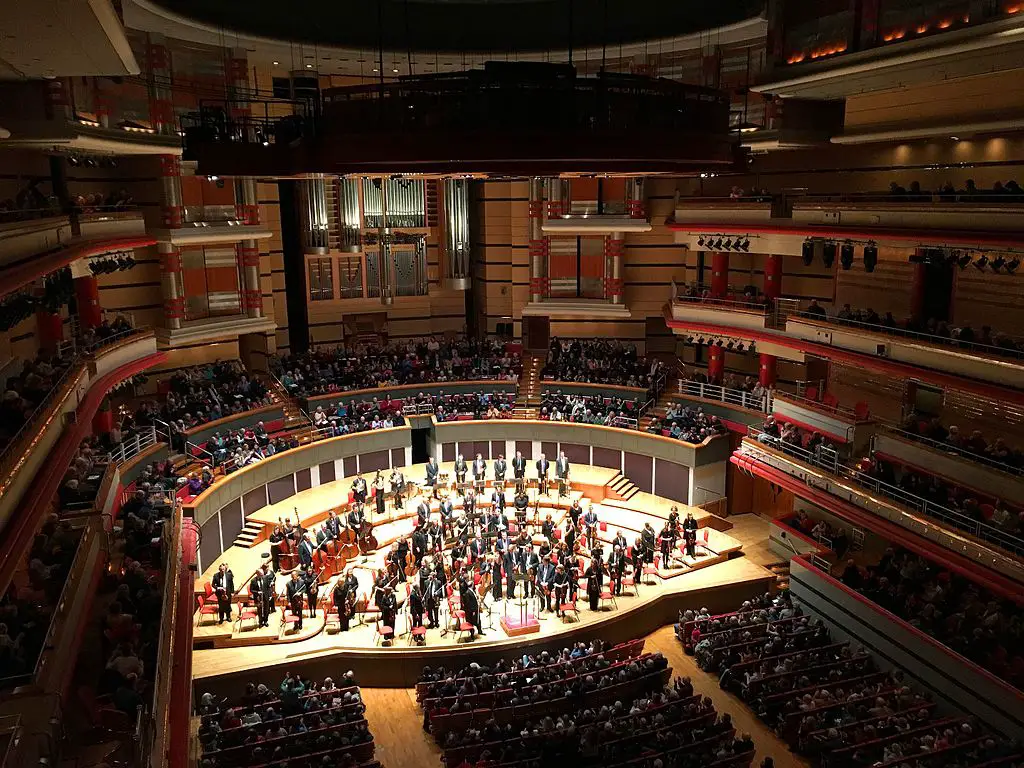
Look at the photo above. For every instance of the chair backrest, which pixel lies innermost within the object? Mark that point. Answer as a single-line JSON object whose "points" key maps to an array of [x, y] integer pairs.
{"points": [[861, 410], [811, 393]]}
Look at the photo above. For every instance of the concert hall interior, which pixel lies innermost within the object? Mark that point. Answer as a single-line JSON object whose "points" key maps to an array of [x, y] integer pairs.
{"points": [[512, 384]]}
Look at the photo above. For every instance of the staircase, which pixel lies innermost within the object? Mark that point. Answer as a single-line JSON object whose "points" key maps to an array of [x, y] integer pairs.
{"points": [[781, 571], [250, 535], [622, 488], [294, 420], [660, 407], [528, 400]]}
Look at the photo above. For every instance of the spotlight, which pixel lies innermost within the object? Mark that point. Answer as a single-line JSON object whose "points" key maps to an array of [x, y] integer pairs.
{"points": [[700, 241], [807, 250], [730, 345], [981, 263], [828, 254], [718, 245], [846, 255], [728, 244], [700, 341], [689, 339], [745, 245], [964, 261], [1012, 264], [997, 263], [870, 257], [720, 342]]}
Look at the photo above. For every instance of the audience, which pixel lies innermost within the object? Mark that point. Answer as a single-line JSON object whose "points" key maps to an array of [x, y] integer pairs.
{"points": [[974, 444], [601, 362], [687, 423], [590, 409], [26, 391]]}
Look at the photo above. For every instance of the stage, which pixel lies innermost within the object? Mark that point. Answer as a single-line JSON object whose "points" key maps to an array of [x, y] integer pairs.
{"points": [[224, 653]]}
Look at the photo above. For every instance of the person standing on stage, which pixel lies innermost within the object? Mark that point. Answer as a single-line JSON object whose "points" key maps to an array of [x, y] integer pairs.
{"points": [[510, 562], [620, 541], [345, 592], [296, 591], [359, 489], [531, 561], [519, 470], [521, 503], [388, 608], [312, 591], [269, 593], [306, 552], [276, 537], [332, 526], [665, 538], [543, 465], [690, 534], [479, 473], [416, 606], [398, 486], [590, 521], [617, 567], [460, 470], [546, 582], [494, 562], [432, 601], [377, 487], [547, 530], [433, 530], [399, 556], [224, 588], [499, 470], [419, 548], [561, 587], [562, 473], [498, 499], [422, 513], [433, 470], [595, 577], [649, 540], [469, 506], [575, 513], [471, 605], [256, 595], [447, 510], [356, 518]]}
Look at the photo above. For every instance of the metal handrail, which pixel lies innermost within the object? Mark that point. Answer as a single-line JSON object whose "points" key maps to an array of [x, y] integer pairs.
{"points": [[737, 397], [726, 302], [938, 445], [817, 405], [828, 460], [130, 447], [973, 346]]}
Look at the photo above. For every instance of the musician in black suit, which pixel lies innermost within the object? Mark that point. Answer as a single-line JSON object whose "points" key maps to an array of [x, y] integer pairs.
{"points": [[620, 541], [296, 591], [256, 595], [432, 601], [531, 567], [521, 503], [546, 582], [590, 520], [388, 608], [306, 551], [356, 518], [595, 578], [416, 606], [494, 563], [648, 538], [562, 473], [359, 489], [543, 465], [617, 567], [499, 469], [575, 512], [378, 492], [460, 469], [269, 593], [312, 591], [419, 546], [479, 472], [398, 486], [571, 532], [422, 513], [333, 525], [224, 588], [666, 544], [510, 562], [345, 599], [433, 470], [690, 534], [433, 530], [498, 500], [519, 470], [471, 605], [477, 549], [561, 587], [547, 530], [398, 556], [447, 513]]}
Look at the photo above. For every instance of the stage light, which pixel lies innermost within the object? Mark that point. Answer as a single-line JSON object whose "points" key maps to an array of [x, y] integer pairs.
{"points": [[1012, 264], [846, 255], [870, 257], [718, 245], [730, 345], [997, 263], [700, 241], [981, 263], [807, 250], [728, 244], [720, 342], [828, 254], [745, 245], [964, 261]]}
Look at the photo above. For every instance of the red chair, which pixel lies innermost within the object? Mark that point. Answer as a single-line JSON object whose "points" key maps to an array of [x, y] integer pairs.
{"points": [[629, 581], [246, 612], [382, 632], [567, 608], [608, 595], [288, 621], [417, 632], [464, 627], [652, 570], [811, 393], [207, 608], [862, 411]]}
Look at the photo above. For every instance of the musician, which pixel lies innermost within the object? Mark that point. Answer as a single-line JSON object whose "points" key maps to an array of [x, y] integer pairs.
{"points": [[570, 537], [590, 521], [499, 470], [312, 584], [532, 562], [620, 541], [296, 591], [434, 532], [546, 582], [617, 567], [269, 592], [276, 537], [479, 472], [378, 492], [673, 518], [498, 499], [666, 544], [519, 470], [458, 551], [433, 470], [321, 537], [524, 539], [648, 539], [562, 473], [333, 526], [422, 513], [306, 551], [398, 556], [543, 465], [471, 605], [494, 563], [521, 503], [595, 578], [510, 562], [398, 486], [432, 600], [547, 529], [477, 550], [256, 595], [388, 608], [287, 529], [224, 587], [638, 555], [380, 583], [345, 599], [460, 469], [419, 547], [359, 489], [690, 534], [575, 512], [561, 587], [416, 606], [356, 518], [447, 513]]}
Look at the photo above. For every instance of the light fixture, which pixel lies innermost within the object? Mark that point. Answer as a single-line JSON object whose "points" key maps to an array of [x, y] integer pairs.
{"points": [[955, 138], [745, 245], [846, 255], [213, 178], [997, 263], [807, 251], [730, 345], [964, 261], [870, 257], [700, 241], [309, 66], [1012, 264], [828, 254], [276, 63], [728, 244], [720, 343], [981, 263], [395, 70], [718, 244]]}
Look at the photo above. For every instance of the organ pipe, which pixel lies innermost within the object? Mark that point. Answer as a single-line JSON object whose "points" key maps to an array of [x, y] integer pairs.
{"points": [[456, 227], [313, 215]]}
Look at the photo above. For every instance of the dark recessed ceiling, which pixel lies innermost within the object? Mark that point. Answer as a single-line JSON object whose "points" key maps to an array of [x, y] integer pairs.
{"points": [[495, 26]]}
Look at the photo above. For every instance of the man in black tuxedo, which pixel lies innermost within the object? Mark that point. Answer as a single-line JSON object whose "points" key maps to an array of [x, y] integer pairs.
{"points": [[617, 567], [546, 582], [398, 486], [388, 608], [561, 587], [499, 469], [432, 600], [433, 470], [256, 594], [447, 513], [419, 545], [460, 469], [333, 525], [306, 551], [531, 567], [519, 470], [416, 606], [471, 605], [269, 593], [359, 489], [690, 534], [356, 518], [312, 591], [296, 591], [562, 473], [422, 513], [224, 588], [543, 465], [498, 500], [479, 472]]}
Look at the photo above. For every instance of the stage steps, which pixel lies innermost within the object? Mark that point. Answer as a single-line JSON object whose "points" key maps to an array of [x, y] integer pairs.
{"points": [[249, 535], [621, 487], [529, 380]]}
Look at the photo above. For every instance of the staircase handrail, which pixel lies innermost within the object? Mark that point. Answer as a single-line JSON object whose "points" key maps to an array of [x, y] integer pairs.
{"points": [[738, 397]]}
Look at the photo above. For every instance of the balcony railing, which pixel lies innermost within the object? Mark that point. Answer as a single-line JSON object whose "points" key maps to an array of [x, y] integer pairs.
{"points": [[828, 459], [737, 397], [138, 442], [938, 445]]}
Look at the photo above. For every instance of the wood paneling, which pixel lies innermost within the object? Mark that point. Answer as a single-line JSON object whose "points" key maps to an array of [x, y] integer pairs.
{"points": [[254, 500], [577, 454], [639, 470], [280, 489], [304, 480], [327, 472], [607, 457], [524, 447], [350, 464], [397, 457], [671, 480]]}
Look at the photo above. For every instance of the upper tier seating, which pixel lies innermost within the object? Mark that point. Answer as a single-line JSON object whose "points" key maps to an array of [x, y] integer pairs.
{"points": [[600, 362]]}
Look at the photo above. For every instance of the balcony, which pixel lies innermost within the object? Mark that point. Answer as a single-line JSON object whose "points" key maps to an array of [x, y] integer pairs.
{"points": [[846, 426], [929, 211], [30, 235]]}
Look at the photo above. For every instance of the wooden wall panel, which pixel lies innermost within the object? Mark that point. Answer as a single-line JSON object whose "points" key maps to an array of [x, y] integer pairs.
{"points": [[327, 472], [639, 470], [671, 480], [350, 465], [280, 489], [304, 480], [984, 298], [608, 458], [577, 454], [524, 447], [254, 500], [887, 289]]}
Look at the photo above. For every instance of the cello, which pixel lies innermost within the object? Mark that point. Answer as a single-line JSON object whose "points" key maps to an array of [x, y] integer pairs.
{"points": [[348, 540], [365, 539]]}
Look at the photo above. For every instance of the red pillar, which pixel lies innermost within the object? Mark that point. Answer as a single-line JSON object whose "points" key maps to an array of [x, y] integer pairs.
{"points": [[103, 421], [719, 275], [716, 364], [773, 276], [766, 371], [87, 297], [917, 286], [50, 329]]}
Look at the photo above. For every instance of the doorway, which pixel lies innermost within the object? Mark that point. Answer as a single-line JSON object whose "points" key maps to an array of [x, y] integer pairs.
{"points": [[536, 333], [420, 451]]}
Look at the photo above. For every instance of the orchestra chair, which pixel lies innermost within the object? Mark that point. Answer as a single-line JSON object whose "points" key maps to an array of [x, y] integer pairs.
{"points": [[207, 608], [465, 628], [608, 595], [246, 611], [288, 621], [652, 570], [382, 632], [630, 581], [332, 624], [367, 608], [565, 608]]}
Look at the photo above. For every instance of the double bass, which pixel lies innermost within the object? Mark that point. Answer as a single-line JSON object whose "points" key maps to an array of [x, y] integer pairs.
{"points": [[347, 540]]}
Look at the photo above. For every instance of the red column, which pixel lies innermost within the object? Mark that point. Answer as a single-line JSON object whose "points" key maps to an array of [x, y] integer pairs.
{"points": [[87, 297], [716, 364], [103, 421], [50, 329], [766, 370], [917, 287], [719, 275], [773, 276]]}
